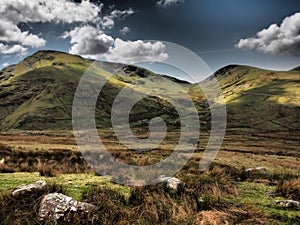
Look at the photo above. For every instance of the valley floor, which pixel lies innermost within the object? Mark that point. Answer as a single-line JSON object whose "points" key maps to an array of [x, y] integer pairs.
{"points": [[53, 156]]}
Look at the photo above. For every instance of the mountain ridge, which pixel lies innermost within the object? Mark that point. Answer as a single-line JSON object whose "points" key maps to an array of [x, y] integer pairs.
{"points": [[37, 93]]}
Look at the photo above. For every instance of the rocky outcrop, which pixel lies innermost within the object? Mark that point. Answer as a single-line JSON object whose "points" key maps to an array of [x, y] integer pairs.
{"points": [[27, 189], [55, 207]]}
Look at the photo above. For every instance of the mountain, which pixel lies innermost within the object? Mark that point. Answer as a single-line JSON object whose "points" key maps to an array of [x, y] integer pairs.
{"points": [[37, 94], [260, 99], [296, 69]]}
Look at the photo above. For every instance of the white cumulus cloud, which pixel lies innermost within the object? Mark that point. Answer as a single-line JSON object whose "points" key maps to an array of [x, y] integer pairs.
{"points": [[88, 38], [89, 41], [6, 64], [48, 11], [136, 51], [276, 39], [165, 3], [13, 12], [15, 49], [9, 32]]}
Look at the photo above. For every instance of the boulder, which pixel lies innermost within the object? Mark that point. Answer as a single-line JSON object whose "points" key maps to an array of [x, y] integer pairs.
{"points": [[288, 203], [171, 182], [56, 206], [28, 189]]}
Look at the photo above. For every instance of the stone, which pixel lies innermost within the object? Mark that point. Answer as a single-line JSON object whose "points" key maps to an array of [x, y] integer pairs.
{"points": [[27, 189], [56, 206], [261, 169], [288, 203], [171, 182], [271, 194]]}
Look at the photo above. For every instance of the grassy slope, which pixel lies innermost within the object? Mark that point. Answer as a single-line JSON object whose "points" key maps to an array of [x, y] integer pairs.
{"points": [[37, 94], [261, 99]]}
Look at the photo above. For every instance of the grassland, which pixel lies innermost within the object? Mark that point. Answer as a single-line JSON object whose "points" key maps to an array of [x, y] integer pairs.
{"points": [[226, 179]]}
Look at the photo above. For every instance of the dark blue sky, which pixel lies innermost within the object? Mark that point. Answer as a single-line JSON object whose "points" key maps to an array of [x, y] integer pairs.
{"points": [[210, 28]]}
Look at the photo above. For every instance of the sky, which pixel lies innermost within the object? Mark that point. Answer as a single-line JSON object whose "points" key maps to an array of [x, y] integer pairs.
{"points": [[260, 33]]}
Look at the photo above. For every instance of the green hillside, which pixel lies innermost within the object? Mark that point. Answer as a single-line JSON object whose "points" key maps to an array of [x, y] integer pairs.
{"points": [[261, 99], [37, 94]]}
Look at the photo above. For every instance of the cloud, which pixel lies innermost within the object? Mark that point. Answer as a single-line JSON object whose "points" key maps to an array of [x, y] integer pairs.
{"points": [[108, 22], [85, 39], [15, 49], [283, 39], [125, 30], [13, 12], [136, 51], [89, 40], [6, 64], [49, 11], [165, 3], [9, 32]]}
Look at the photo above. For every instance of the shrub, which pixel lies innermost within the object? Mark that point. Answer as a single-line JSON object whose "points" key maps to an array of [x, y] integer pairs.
{"points": [[46, 170]]}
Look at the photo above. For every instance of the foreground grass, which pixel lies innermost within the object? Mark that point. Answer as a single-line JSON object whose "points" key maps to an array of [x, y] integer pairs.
{"points": [[255, 195], [193, 204], [211, 199], [73, 184], [225, 192]]}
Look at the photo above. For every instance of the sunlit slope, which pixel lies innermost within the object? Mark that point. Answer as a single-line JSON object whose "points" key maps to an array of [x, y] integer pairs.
{"points": [[261, 99]]}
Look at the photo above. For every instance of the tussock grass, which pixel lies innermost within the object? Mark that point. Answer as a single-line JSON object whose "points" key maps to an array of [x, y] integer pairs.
{"points": [[289, 189], [47, 163]]}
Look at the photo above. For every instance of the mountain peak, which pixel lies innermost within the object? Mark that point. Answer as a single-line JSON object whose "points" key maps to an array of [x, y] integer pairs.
{"points": [[296, 69], [225, 69]]}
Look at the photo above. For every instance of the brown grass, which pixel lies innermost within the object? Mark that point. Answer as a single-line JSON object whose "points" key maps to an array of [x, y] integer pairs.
{"points": [[232, 215], [47, 163], [289, 189]]}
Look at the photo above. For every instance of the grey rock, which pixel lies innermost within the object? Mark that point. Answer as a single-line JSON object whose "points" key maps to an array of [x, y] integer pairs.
{"points": [[288, 203], [171, 182], [271, 194], [26, 189], [57, 206], [261, 169]]}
